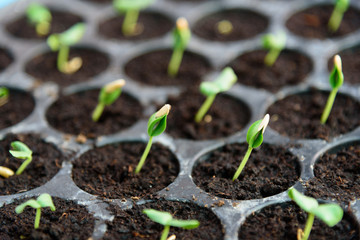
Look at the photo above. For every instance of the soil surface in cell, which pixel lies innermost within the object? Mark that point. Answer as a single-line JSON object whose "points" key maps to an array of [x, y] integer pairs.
{"points": [[192, 1], [270, 170], [43, 67], [109, 171], [298, 116], [99, 1], [313, 22], [5, 59], [68, 221], [133, 224], [245, 24], [46, 162], [281, 222], [72, 114], [290, 68]]}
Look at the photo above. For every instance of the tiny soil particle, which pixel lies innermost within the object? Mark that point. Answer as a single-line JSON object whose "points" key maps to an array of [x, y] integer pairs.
{"points": [[109, 171], [5, 59], [151, 68], [72, 114], [269, 171], [45, 164], [68, 221], [43, 67], [282, 221], [245, 23], [290, 68], [133, 224], [313, 22]]}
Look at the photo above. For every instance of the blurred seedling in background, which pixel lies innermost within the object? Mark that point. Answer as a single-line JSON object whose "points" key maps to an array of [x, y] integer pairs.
{"points": [[341, 6], [224, 27], [21, 151], [40, 17], [4, 96], [275, 43]]}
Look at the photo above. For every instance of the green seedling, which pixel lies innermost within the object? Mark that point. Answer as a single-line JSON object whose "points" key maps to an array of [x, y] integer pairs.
{"points": [[6, 172], [336, 17], [329, 213], [44, 200], [182, 35], [131, 8], [336, 80], [223, 82], [21, 151], [156, 126], [4, 96], [40, 17], [107, 96], [165, 219], [224, 27], [275, 43], [61, 42], [254, 138]]}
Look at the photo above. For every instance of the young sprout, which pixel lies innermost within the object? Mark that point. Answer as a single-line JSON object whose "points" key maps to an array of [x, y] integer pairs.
{"points": [[4, 95], [335, 19], [156, 126], [40, 17], [275, 43], [21, 151], [44, 200], [165, 218], [61, 42], [6, 172], [224, 27], [329, 213], [107, 96], [181, 36], [254, 138], [336, 79], [223, 82]]}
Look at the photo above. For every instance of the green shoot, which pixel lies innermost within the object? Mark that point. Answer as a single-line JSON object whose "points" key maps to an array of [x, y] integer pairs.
{"points": [[62, 42], [336, 80], [6, 172], [223, 82], [181, 35], [330, 213], [4, 95], [254, 138], [40, 17], [44, 200], [156, 126], [340, 8], [107, 96], [275, 43], [165, 219], [224, 27], [21, 151]]}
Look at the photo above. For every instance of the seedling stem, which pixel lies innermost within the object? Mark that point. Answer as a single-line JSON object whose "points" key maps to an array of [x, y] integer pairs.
{"points": [[336, 17]]}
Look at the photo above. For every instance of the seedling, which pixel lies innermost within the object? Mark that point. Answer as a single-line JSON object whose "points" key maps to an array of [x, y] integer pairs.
{"points": [[340, 8], [21, 151], [165, 218], [181, 36], [224, 27], [329, 213], [44, 200], [275, 43], [62, 42], [131, 8], [107, 96], [6, 172], [156, 126], [224, 82], [4, 95], [254, 138], [336, 80], [40, 17]]}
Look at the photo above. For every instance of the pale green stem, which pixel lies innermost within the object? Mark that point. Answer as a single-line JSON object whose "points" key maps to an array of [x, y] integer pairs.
{"points": [[243, 163], [204, 108], [23, 166], [143, 157], [328, 106], [98, 111], [175, 62], [129, 24], [37, 218], [62, 59], [308, 226], [335, 20], [271, 57], [165, 232]]}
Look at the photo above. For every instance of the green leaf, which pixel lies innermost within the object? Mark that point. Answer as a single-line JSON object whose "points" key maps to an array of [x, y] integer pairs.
{"points": [[157, 216], [111, 91], [45, 200], [157, 121], [223, 82], [32, 203], [4, 92], [186, 224], [308, 204], [53, 42], [128, 5], [254, 136], [330, 213], [336, 77], [274, 41], [73, 35], [37, 13], [20, 150]]}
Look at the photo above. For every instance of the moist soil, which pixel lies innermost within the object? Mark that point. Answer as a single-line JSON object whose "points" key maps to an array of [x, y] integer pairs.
{"points": [[46, 162], [72, 114], [313, 22], [151, 68], [246, 24], [69, 221], [282, 221], [133, 224], [269, 171], [43, 67], [5, 59], [109, 171], [290, 68], [298, 116]]}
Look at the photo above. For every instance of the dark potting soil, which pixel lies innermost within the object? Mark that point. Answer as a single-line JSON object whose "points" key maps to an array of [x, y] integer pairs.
{"points": [[246, 24], [19, 105], [99, 1], [69, 221], [290, 68], [46, 162], [5, 59], [151, 68], [43, 67], [109, 171], [72, 114], [270, 170], [298, 116], [282, 221], [133, 224], [313, 22]]}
